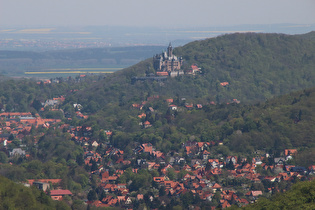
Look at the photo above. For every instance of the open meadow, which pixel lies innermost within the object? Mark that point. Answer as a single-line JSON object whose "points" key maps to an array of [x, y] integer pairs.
{"points": [[65, 72]]}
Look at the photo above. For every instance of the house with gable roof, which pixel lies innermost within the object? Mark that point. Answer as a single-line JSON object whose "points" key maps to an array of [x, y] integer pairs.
{"points": [[59, 194]]}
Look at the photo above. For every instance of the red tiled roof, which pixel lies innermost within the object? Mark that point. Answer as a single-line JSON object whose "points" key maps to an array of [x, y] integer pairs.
{"points": [[216, 186], [140, 196], [224, 84], [194, 66], [60, 192], [162, 73], [53, 181], [290, 152]]}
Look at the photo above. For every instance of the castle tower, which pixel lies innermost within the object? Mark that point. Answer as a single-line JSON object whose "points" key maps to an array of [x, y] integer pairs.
{"points": [[170, 50]]}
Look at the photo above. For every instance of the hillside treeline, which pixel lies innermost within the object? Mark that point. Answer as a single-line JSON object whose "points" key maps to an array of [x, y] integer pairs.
{"points": [[301, 196], [272, 126], [17, 196]]}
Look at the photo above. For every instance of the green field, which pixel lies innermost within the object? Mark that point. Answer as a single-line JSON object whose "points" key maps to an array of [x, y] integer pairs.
{"points": [[64, 72]]}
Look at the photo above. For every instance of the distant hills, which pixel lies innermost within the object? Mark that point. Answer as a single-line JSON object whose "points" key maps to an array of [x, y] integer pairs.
{"points": [[15, 63], [117, 53], [50, 37]]}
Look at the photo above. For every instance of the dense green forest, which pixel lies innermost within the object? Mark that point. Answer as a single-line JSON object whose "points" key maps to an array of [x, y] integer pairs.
{"points": [[301, 196], [17, 196], [257, 66]]}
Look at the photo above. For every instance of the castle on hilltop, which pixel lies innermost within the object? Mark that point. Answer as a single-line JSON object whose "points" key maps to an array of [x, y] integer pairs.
{"points": [[167, 63]]}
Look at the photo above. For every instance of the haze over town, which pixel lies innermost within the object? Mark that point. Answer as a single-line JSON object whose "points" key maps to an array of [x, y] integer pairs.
{"points": [[80, 24]]}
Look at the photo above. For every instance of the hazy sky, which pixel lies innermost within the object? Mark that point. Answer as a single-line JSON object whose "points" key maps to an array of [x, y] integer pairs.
{"points": [[171, 13]]}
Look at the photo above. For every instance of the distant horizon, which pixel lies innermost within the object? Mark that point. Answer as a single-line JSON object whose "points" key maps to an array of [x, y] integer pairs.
{"points": [[73, 37]]}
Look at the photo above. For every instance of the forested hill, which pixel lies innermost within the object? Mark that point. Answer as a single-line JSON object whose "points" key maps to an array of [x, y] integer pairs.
{"points": [[256, 66]]}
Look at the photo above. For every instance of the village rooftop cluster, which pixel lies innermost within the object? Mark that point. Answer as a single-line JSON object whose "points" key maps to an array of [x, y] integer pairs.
{"points": [[214, 178]]}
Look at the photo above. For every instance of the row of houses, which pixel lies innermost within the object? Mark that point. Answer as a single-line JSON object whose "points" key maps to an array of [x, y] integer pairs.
{"points": [[17, 125], [199, 177]]}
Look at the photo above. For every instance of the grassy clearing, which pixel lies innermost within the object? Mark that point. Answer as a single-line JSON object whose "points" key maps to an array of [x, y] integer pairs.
{"points": [[68, 72], [84, 69], [53, 71]]}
